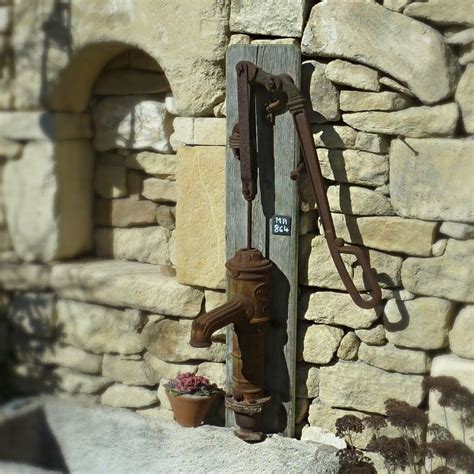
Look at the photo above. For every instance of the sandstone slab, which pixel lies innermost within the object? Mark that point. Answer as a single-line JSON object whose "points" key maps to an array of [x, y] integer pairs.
{"points": [[307, 381], [393, 359], [328, 307], [464, 94], [269, 17], [110, 181], [152, 163], [461, 369], [443, 12], [414, 122], [396, 86], [169, 341], [363, 387], [461, 335], [132, 122], [71, 381], [33, 313], [99, 329], [422, 323], [321, 93], [318, 343], [354, 166], [200, 250], [49, 189], [334, 136], [358, 201], [209, 131], [143, 244], [124, 212], [130, 81], [349, 347], [355, 33], [127, 370], [448, 276], [427, 179], [357, 101], [124, 396], [353, 75], [392, 234], [126, 284], [44, 126], [160, 190]]}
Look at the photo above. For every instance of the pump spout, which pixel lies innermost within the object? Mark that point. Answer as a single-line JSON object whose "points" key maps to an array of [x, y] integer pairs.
{"points": [[204, 326]]}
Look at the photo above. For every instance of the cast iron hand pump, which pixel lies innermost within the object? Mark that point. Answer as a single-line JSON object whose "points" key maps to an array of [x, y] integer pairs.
{"points": [[248, 272]]}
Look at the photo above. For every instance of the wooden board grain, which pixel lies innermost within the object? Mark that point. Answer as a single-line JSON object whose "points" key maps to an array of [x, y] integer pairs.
{"points": [[277, 155]]}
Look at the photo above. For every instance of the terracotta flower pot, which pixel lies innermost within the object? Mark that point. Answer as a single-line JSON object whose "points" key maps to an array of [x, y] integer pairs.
{"points": [[190, 410]]}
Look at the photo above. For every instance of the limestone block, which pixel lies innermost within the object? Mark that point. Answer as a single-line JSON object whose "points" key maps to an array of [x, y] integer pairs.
{"points": [[359, 201], [166, 216], [307, 381], [354, 166], [128, 371], [158, 369], [460, 38], [438, 247], [461, 335], [71, 381], [200, 250], [374, 336], [415, 122], [44, 126], [160, 190], [110, 181], [349, 347], [325, 417], [33, 313], [392, 84], [357, 76], [220, 110], [464, 94], [422, 323], [143, 244], [125, 396], [25, 276], [317, 268], [292, 41], [322, 437], [363, 387], [321, 93], [215, 372], [239, 39], [5, 240], [466, 54], [385, 40], [183, 132], [82, 398], [134, 59], [9, 149], [169, 341], [104, 30], [152, 163], [393, 359], [372, 142], [357, 101], [209, 131], [99, 329], [334, 136], [451, 365], [457, 230], [448, 276], [130, 81], [132, 122], [124, 212], [328, 307], [318, 343], [50, 190], [4, 19], [432, 184], [214, 299], [268, 17], [396, 5], [443, 12], [170, 104], [392, 234], [74, 358]]}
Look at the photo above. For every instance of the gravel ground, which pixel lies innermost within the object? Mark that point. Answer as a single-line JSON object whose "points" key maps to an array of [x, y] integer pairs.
{"points": [[98, 439]]}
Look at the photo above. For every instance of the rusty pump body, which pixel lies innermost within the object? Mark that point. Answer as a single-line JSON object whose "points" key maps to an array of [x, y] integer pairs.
{"points": [[248, 272]]}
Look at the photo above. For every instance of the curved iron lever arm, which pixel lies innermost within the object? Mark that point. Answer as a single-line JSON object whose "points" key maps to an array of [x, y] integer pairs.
{"points": [[289, 96]]}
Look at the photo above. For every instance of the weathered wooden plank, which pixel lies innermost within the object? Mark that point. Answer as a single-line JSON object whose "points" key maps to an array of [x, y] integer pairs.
{"points": [[277, 156]]}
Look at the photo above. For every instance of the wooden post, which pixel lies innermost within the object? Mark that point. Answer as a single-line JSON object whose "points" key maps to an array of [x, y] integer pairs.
{"points": [[277, 156]]}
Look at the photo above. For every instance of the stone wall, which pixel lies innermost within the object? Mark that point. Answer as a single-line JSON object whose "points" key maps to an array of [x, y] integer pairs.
{"points": [[117, 158]]}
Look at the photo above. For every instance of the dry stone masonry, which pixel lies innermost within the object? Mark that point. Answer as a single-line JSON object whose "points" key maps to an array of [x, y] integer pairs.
{"points": [[112, 209]]}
